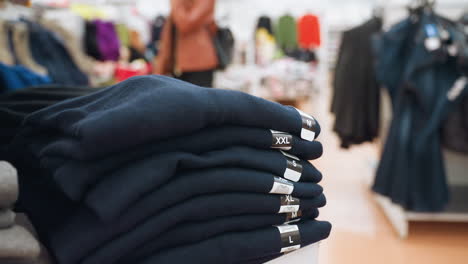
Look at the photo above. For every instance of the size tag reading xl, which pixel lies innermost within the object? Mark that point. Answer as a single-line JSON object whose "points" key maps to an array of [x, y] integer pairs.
{"points": [[290, 238], [293, 169], [281, 140], [289, 204], [309, 126], [282, 186]]}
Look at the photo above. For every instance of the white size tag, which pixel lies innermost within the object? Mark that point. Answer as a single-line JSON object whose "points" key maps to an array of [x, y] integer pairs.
{"points": [[290, 156], [289, 204], [452, 50], [457, 88], [432, 43], [290, 238], [282, 186], [309, 126], [293, 169]]}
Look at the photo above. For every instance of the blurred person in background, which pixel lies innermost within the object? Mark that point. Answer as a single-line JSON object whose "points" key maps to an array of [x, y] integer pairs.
{"points": [[187, 50]]}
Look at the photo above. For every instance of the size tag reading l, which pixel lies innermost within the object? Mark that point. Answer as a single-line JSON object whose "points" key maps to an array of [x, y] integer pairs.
{"points": [[290, 238], [282, 186], [289, 204], [293, 169], [281, 140], [309, 126]]}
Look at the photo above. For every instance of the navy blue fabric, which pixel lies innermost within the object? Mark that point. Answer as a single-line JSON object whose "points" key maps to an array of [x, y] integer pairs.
{"points": [[148, 155], [110, 197], [155, 108], [196, 209], [392, 52], [412, 171], [242, 246], [18, 77], [43, 94], [197, 231], [48, 51], [75, 176]]}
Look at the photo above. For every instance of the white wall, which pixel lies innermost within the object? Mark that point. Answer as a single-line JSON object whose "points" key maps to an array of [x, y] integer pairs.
{"points": [[242, 15]]}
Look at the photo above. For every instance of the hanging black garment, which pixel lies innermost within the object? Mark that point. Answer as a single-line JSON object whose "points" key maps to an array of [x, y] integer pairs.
{"points": [[265, 23], [455, 128], [356, 98], [90, 40], [411, 171]]}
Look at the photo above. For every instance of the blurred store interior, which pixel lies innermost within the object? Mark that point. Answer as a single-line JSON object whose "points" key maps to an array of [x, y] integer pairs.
{"points": [[385, 79]]}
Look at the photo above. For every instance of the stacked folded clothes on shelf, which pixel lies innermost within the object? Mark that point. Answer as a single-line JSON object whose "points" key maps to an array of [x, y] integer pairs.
{"points": [[156, 170], [16, 243]]}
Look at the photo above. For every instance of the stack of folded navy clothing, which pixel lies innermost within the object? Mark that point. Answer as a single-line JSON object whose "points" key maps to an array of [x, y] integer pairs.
{"points": [[156, 170]]}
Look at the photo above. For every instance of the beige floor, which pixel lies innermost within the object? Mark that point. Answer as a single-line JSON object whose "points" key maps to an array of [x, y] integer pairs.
{"points": [[361, 234]]}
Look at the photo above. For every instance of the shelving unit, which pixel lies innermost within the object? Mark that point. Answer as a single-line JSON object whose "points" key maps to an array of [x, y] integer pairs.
{"points": [[456, 211]]}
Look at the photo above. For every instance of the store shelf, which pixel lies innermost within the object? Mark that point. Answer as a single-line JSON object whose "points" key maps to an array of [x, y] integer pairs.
{"points": [[307, 255], [457, 211]]}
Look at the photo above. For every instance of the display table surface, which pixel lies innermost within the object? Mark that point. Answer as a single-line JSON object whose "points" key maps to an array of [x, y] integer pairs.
{"points": [[307, 255]]}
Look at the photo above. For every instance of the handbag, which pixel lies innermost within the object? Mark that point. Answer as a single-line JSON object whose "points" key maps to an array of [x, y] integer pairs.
{"points": [[223, 42]]}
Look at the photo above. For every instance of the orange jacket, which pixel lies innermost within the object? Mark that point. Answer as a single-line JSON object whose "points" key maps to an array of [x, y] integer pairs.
{"points": [[194, 50]]}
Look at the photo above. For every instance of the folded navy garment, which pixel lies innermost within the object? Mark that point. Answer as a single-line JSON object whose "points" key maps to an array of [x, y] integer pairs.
{"points": [[241, 246], [116, 196], [42, 94], [115, 191], [27, 106], [99, 242], [154, 108], [198, 231], [75, 177]]}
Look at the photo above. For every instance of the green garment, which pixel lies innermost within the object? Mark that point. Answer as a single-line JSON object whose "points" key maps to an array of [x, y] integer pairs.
{"points": [[286, 33], [123, 33]]}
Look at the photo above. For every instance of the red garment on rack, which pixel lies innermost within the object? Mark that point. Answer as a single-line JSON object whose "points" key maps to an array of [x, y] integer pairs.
{"points": [[309, 31]]}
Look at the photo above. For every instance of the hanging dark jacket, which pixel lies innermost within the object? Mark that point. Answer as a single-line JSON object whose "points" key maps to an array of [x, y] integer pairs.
{"points": [[356, 99], [48, 51], [412, 171]]}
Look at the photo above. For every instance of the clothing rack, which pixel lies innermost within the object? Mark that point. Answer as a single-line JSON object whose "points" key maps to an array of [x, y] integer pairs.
{"points": [[456, 211]]}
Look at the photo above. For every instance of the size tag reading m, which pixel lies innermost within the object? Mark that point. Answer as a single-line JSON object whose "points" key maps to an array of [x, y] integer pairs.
{"points": [[289, 204], [290, 238], [293, 169], [293, 217], [309, 126], [282, 186], [281, 140]]}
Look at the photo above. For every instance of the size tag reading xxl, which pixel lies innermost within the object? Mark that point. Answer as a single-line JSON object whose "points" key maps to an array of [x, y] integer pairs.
{"points": [[282, 186], [290, 238], [293, 169], [289, 204], [281, 140], [309, 126]]}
